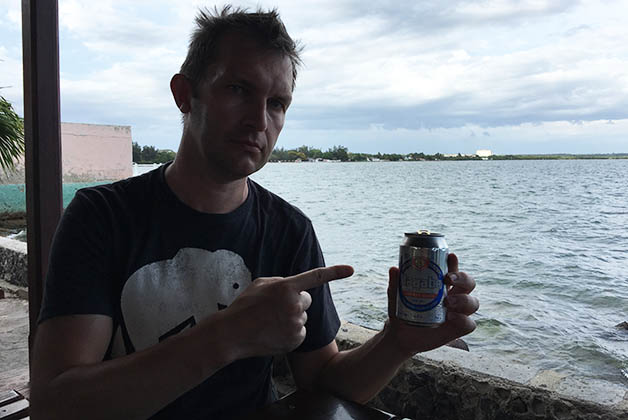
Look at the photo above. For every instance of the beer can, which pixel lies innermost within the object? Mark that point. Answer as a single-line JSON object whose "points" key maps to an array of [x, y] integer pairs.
{"points": [[422, 290]]}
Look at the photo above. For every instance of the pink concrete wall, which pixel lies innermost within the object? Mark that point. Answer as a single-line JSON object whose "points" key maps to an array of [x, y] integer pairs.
{"points": [[96, 152], [90, 152]]}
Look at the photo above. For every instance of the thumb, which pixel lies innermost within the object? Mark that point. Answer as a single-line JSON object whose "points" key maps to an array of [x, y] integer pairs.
{"points": [[393, 287], [452, 263]]}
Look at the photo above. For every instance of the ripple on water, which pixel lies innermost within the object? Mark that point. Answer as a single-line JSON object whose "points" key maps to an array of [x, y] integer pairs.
{"points": [[490, 327], [546, 242]]}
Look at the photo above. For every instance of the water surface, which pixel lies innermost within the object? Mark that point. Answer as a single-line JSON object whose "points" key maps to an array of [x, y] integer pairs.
{"points": [[547, 242]]}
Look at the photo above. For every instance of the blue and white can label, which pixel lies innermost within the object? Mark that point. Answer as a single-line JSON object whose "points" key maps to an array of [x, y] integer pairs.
{"points": [[422, 290]]}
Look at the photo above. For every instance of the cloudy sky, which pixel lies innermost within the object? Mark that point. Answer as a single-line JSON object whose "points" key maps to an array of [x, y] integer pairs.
{"points": [[450, 76]]}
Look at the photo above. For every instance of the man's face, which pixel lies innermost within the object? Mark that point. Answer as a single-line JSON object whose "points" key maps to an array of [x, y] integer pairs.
{"points": [[239, 109]]}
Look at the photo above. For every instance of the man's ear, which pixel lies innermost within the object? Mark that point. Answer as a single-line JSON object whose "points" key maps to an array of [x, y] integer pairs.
{"points": [[181, 88]]}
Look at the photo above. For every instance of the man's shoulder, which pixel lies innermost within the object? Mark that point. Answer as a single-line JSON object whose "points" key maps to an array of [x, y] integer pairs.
{"points": [[135, 188], [271, 202], [120, 196]]}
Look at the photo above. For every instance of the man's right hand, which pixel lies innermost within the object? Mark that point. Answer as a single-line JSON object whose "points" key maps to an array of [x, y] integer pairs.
{"points": [[269, 317], [70, 378]]}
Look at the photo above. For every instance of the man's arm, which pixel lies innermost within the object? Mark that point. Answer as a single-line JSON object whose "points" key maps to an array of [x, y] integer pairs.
{"points": [[70, 380], [357, 374], [360, 373]]}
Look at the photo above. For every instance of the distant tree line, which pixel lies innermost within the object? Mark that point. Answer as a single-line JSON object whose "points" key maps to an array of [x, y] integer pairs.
{"points": [[342, 154], [150, 154], [305, 152]]}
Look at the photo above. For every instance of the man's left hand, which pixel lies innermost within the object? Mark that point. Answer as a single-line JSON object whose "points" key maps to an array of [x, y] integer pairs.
{"points": [[460, 305]]}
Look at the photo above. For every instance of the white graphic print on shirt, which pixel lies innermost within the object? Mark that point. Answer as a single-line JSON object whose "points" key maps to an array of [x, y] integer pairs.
{"points": [[165, 297]]}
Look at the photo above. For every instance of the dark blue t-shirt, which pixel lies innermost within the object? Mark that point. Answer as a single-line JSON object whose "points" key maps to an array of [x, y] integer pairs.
{"points": [[133, 251]]}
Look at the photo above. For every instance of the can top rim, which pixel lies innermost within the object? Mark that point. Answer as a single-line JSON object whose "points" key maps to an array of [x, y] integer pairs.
{"points": [[424, 233]]}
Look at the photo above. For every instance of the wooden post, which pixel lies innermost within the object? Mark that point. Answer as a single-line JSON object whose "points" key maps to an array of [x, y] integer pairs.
{"points": [[42, 133]]}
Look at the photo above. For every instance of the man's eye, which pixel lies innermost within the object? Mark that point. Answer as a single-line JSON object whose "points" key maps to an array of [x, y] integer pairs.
{"points": [[275, 104], [236, 89]]}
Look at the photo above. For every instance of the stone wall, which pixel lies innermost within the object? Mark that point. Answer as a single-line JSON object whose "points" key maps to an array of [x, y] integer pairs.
{"points": [[452, 384], [449, 383], [13, 261]]}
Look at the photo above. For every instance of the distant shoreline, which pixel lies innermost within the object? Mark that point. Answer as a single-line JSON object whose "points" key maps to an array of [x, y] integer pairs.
{"points": [[561, 156], [440, 158], [342, 154]]}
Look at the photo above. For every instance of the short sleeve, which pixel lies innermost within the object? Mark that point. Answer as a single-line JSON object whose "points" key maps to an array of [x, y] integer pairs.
{"points": [[79, 279]]}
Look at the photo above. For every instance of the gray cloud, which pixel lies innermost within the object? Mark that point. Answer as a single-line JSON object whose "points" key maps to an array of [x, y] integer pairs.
{"points": [[587, 100], [376, 67], [577, 30], [436, 17]]}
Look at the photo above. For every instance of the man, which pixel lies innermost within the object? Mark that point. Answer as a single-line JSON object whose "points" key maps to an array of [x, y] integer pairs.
{"points": [[168, 293]]}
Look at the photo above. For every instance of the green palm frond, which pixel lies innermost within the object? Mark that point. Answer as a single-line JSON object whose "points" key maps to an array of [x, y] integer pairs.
{"points": [[11, 136]]}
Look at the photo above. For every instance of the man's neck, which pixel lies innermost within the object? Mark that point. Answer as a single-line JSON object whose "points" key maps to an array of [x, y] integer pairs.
{"points": [[203, 192]]}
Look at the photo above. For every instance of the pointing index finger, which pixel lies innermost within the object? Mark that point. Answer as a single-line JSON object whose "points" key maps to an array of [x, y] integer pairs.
{"points": [[319, 276]]}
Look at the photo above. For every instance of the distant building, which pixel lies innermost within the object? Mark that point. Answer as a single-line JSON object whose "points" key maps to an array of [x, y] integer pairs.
{"points": [[484, 153], [89, 152], [457, 155]]}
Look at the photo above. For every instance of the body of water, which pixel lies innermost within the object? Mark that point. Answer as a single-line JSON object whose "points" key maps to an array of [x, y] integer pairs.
{"points": [[546, 241]]}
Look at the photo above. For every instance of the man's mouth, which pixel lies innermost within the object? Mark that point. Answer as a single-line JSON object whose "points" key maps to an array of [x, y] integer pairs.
{"points": [[249, 145]]}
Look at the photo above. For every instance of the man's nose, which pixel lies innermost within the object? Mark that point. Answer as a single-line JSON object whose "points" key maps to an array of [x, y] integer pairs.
{"points": [[256, 116]]}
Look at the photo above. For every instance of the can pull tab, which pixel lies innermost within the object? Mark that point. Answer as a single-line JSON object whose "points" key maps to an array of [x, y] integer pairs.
{"points": [[423, 232]]}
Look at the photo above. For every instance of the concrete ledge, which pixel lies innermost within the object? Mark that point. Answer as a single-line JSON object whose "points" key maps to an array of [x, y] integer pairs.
{"points": [[13, 343], [13, 264], [452, 384]]}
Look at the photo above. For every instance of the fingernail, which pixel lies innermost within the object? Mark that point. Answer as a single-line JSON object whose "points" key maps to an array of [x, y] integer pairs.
{"points": [[453, 277]]}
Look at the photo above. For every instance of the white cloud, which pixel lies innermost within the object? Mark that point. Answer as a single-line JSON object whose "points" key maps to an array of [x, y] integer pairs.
{"points": [[397, 66], [130, 92], [11, 79], [545, 137], [555, 75], [113, 26], [14, 14]]}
